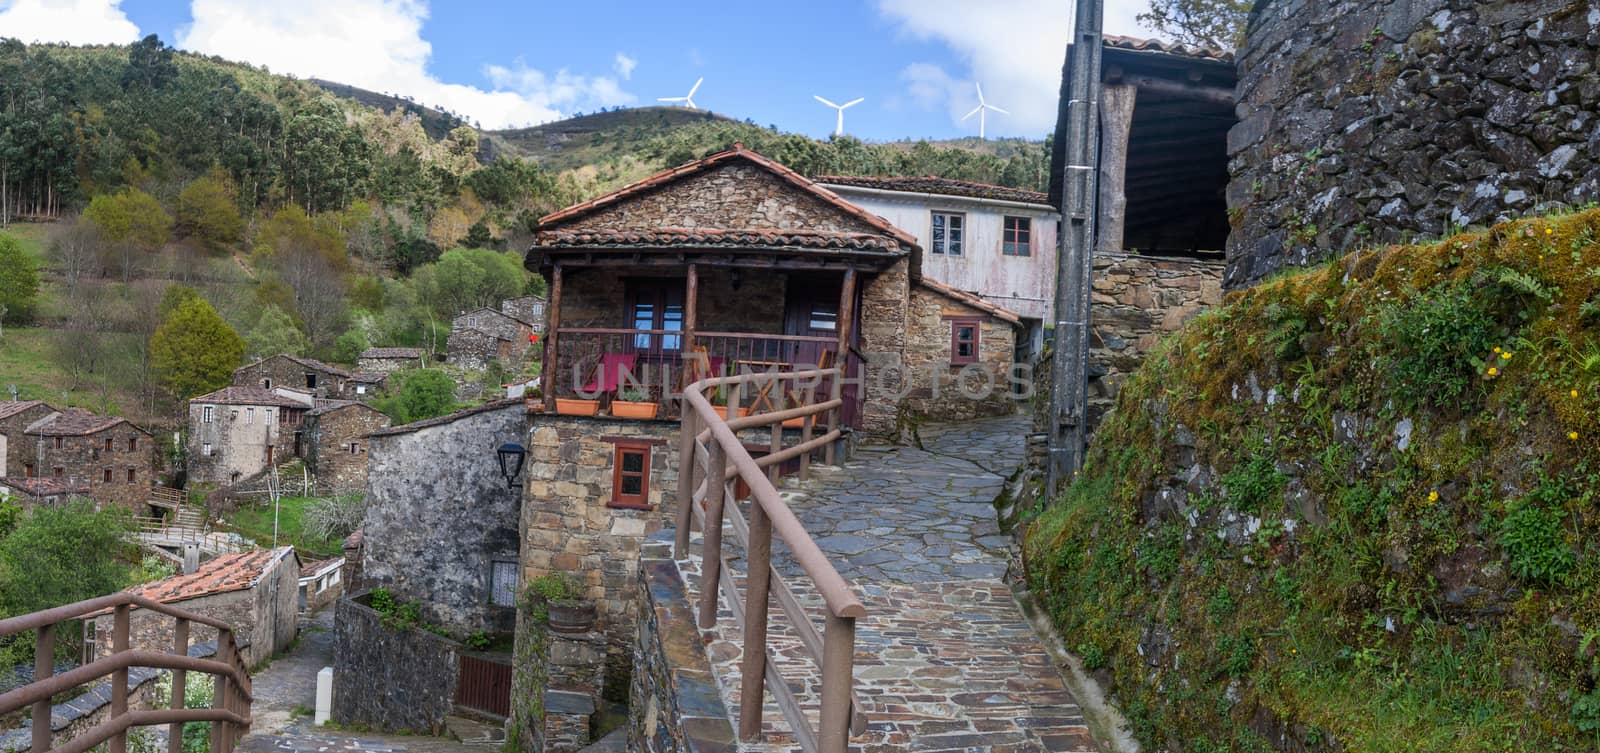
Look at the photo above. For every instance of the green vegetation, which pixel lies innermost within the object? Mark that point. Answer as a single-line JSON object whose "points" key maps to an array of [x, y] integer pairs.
{"points": [[19, 281], [195, 351], [55, 555], [1354, 509], [254, 521], [422, 394]]}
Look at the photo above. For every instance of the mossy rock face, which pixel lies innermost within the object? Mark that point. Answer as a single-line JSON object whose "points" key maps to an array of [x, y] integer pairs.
{"points": [[1356, 508]]}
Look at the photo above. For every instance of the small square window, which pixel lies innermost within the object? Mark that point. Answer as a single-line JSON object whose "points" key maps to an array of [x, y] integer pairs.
{"points": [[964, 340], [59, 442], [949, 233], [630, 482], [133, 444], [249, 415], [59, 472], [27, 470], [105, 476], [1018, 239], [109, 446], [133, 476], [205, 449], [207, 414], [502, 583]]}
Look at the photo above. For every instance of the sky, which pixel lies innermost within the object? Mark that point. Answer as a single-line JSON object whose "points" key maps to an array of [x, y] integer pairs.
{"points": [[514, 63]]}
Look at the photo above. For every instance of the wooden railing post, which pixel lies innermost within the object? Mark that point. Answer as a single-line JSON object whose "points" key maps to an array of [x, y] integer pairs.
{"points": [[180, 679], [119, 679], [758, 559], [44, 665], [711, 538], [835, 392], [219, 694], [805, 433], [838, 668], [688, 427]]}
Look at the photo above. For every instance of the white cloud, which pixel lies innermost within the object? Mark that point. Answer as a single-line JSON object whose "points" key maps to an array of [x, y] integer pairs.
{"points": [[1015, 48], [624, 66], [71, 21], [378, 45]]}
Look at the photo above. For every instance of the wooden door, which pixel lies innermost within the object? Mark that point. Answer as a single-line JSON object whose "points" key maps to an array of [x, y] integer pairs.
{"points": [[483, 685]]}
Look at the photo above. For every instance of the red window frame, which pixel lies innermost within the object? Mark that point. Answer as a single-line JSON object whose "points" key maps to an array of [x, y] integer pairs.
{"points": [[957, 324], [1018, 236], [622, 450]]}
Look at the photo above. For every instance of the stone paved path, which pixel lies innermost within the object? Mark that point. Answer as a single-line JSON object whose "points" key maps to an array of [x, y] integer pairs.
{"points": [[944, 660]]}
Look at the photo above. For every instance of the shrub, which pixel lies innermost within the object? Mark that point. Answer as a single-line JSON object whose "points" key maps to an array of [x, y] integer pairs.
{"points": [[1531, 536], [1434, 343]]}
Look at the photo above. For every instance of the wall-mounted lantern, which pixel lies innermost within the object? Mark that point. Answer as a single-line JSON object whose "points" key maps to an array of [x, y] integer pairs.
{"points": [[511, 456]]}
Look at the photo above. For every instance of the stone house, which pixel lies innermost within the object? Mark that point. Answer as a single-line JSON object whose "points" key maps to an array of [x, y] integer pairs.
{"points": [[996, 242], [486, 335], [238, 432], [39, 491], [283, 370], [15, 418], [334, 445], [257, 592], [385, 361], [528, 308], [320, 584], [108, 456]]}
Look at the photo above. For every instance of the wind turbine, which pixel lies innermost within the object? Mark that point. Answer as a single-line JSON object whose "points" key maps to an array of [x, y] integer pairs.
{"points": [[838, 130], [982, 110], [688, 99]]}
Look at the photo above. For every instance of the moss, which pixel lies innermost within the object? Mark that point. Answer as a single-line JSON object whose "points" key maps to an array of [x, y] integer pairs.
{"points": [[1389, 599]]}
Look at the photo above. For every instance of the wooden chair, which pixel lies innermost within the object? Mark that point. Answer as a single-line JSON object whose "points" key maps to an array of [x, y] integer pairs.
{"points": [[797, 399]]}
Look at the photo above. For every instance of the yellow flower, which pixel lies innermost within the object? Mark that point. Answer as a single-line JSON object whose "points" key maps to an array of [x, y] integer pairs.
{"points": [[1574, 393], [1505, 356], [1433, 496], [1572, 435], [1493, 371], [1548, 231], [1497, 349]]}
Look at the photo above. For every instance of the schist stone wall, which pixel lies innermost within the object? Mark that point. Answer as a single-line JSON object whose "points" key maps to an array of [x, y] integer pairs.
{"points": [[1368, 121], [264, 618], [117, 464], [285, 371], [387, 679], [440, 515], [943, 391], [1136, 301], [882, 320], [336, 448]]}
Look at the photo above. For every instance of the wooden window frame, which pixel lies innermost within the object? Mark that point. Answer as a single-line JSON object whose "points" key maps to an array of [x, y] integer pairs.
{"points": [[59, 442], [58, 473], [28, 471], [942, 246], [105, 476], [208, 414], [620, 448], [133, 444], [133, 475], [111, 444], [956, 323], [1016, 241]]}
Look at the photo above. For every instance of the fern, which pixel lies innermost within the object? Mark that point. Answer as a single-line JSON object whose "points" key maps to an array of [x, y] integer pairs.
{"points": [[1524, 284]]}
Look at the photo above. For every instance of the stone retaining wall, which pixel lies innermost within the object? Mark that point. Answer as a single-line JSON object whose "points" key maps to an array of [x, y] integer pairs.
{"points": [[1365, 122], [390, 680]]}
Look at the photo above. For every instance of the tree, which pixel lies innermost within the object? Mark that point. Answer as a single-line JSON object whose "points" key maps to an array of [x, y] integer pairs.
{"points": [[274, 332], [468, 278], [19, 282], [131, 220], [61, 554], [208, 211], [1208, 23], [195, 351], [74, 244], [423, 394]]}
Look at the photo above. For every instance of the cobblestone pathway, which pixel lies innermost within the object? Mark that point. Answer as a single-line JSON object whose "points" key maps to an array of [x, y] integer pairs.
{"points": [[944, 660]]}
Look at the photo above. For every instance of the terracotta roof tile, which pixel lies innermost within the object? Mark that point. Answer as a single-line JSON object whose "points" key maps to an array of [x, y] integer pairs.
{"points": [[738, 152], [700, 237], [392, 353], [961, 296], [225, 574], [14, 407], [76, 422], [1137, 44], [936, 185], [43, 487], [313, 568], [248, 396]]}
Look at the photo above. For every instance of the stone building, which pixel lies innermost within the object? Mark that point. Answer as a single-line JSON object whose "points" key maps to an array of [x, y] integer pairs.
{"points": [[997, 242], [385, 361], [15, 418], [334, 443], [486, 335], [1372, 121], [320, 584], [441, 524], [238, 432], [108, 456], [527, 308], [283, 370], [39, 491], [256, 592]]}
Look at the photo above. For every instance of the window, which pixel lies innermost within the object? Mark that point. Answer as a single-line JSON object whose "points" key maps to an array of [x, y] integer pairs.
{"points": [[1018, 237], [233, 414], [249, 415], [963, 341], [133, 444], [311, 381], [105, 476], [27, 470], [266, 384], [503, 583], [658, 305], [205, 449], [361, 389], [630, 479], [133, 476], [355, 448], [59, 472], [949, 232], [207, 414], [59, 442], [824, 316], [109, 440]]}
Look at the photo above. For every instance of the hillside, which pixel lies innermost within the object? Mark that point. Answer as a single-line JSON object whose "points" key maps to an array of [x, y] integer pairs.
{"points": [[1354, 509], [588, 139]]}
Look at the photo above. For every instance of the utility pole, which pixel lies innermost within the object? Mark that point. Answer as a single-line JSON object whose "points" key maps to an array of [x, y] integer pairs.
{"points": [[1075, 261]]}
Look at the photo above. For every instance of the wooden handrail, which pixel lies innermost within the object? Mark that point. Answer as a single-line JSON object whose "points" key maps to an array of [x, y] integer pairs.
{"points": [[14, 625], [712, 455]]}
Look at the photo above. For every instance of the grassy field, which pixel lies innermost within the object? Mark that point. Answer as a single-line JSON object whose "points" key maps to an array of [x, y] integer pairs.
{"points": [[254, 521], [32, 236], [27, 360]]}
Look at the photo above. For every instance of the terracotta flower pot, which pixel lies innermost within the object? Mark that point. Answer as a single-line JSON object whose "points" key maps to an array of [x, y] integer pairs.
{"points": [[572, 407], [630, 409], [722, 410], [572, 616]]}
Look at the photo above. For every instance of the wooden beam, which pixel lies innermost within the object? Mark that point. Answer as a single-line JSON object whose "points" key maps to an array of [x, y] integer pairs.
{"points": [[552, 352], [1216, 95], [691, 306], [1116, 120]]}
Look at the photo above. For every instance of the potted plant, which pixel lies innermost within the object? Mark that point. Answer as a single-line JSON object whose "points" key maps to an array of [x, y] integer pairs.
{"points": [[557, 599], [634, 404], [719, 403], [568, 406]]}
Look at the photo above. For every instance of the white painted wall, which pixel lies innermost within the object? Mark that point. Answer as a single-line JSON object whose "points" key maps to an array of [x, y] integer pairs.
{"points": [[2, 456], [1024, 284]]}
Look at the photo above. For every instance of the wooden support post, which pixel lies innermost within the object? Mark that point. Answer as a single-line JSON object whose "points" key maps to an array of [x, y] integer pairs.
{"points": [[841, 356], [752, 683], [691, 308], [180, 646], [777, 440], [711, 540], [552, 349], [688, 427], [805, 433], [220, 731], [44, 665], [119, 679], [1116, 121], [838, 675]]}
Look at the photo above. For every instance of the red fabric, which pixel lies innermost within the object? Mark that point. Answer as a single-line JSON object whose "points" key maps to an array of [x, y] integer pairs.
{"points": [[612, 366]]}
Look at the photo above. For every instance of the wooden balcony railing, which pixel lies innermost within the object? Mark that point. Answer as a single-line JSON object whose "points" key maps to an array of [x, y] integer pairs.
{"points": [[230, 711], [715, 460]]}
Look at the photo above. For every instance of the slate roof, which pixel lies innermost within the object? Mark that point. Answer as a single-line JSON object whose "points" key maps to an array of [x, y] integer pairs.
{"points": [[76, 422], [491, 310], [247, 396], [365, 378], [961, 296], [225, 574], [310, 363], [329, 406], [43, 487], [1157, 46], [900, 239], [936, 185], [392, 353], [313, 569], [447, 419], [14, 407], [704, 237]]}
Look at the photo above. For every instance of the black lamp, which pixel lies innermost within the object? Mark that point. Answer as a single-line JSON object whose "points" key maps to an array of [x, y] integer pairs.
{"points": [[511, 455]]}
